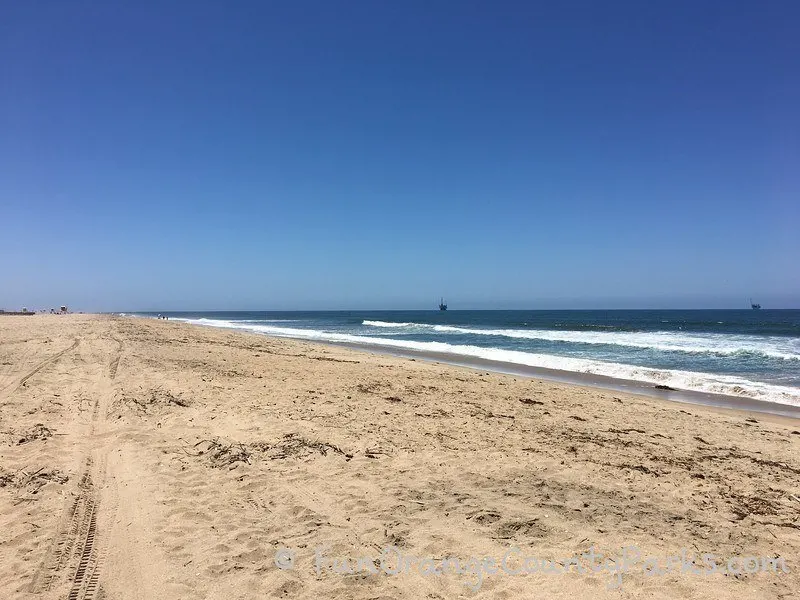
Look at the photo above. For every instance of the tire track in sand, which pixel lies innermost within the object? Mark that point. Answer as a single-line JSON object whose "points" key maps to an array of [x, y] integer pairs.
{"points": [[74, 549], [42, 365], [89, 553], [112, 368], [85, 584], [75, 559]]}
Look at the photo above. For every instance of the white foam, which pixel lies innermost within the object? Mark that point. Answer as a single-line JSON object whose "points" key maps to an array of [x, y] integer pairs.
{"points": [[686, 380], [387, 324]]}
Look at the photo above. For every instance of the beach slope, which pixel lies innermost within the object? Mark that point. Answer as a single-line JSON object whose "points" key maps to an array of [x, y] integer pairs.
{"points": [[150, 459]]}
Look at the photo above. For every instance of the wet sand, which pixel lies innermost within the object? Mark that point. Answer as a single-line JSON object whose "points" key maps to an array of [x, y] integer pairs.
{"points": [[153, 459]]}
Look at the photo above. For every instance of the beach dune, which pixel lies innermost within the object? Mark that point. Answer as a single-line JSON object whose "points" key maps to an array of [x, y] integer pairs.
{"points": [[149, 459]]}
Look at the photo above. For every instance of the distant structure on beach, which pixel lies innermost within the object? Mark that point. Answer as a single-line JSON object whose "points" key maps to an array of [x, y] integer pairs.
{"points": [[754, 306], [24, 311], [442, 305]]}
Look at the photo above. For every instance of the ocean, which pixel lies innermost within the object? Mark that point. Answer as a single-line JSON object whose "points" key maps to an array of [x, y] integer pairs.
{"points": [[752, 354]]}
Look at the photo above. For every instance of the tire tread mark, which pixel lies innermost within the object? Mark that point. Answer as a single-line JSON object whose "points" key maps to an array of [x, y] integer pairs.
{"points": [[112, 368], [46, 362], [67, 537], [85, 583], [85, 579]]}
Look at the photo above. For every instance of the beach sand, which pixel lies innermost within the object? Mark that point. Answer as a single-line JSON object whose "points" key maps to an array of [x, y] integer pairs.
{"points": [[152, 459]]}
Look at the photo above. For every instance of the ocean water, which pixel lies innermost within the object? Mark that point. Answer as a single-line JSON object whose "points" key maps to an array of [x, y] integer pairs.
{"points": [[745, 353]]}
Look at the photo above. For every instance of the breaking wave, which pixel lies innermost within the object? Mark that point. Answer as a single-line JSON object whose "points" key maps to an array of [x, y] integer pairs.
{"points": [[671, 341]]}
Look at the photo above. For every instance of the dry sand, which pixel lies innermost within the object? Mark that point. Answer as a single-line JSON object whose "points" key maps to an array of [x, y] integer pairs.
{"points": [[158, 460]]}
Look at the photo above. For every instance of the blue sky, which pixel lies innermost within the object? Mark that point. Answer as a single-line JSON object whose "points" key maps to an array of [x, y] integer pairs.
{"points": [[265, 155]]}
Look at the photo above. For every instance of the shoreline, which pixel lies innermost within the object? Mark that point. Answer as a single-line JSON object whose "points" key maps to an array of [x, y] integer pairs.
{"points": [[601, 382]]}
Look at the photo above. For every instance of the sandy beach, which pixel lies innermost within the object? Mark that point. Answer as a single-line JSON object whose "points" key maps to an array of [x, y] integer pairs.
{"points": [[151, 459]]}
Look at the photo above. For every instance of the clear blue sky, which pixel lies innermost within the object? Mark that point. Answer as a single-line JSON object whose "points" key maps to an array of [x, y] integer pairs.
{"points": [[224, 155]]}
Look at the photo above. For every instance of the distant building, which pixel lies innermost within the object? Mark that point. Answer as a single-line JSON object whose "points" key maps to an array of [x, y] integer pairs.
{"points": [[63, 309]]}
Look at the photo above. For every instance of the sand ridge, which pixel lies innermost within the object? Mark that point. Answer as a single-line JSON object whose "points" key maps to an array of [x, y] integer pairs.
{"points": [[153, 459]]}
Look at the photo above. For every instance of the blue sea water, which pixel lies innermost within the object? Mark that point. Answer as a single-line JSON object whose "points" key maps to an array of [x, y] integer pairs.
{"points": [[747, 353]]}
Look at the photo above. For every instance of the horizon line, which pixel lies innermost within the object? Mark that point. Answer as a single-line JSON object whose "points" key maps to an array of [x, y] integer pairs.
{"points": [[219, 310]]}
